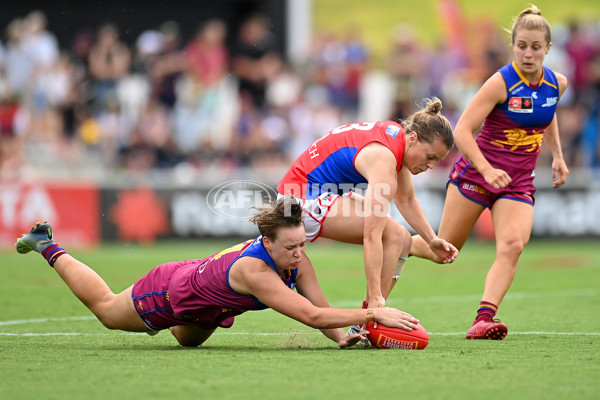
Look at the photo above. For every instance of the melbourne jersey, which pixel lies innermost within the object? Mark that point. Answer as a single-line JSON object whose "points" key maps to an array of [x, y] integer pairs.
{"points": [[200, 291], [328, 164], [512, 134]]}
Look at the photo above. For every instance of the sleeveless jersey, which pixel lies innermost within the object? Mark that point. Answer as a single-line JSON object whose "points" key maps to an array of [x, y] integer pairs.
{"points": [[200, 291], [512, 134], [328, 164]]}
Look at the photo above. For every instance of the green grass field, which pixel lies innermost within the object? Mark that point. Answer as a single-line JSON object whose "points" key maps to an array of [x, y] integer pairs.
{"points": [[52, 348]]}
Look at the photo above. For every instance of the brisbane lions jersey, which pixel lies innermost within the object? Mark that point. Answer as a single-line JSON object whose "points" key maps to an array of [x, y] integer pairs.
{"points": [[512, 134]]}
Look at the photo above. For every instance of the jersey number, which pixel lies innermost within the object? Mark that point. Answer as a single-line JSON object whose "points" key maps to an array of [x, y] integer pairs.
{"points": [[361, 126]]}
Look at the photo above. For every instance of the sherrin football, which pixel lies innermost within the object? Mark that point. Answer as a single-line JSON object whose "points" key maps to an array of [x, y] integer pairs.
{"points": [[384, 337]]}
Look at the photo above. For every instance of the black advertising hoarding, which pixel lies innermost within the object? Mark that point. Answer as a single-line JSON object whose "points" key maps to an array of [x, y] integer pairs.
{"points": [[147, 214]]}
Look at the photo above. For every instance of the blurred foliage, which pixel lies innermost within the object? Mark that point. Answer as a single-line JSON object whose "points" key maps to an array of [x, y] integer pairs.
{"points": [[375, 21]]}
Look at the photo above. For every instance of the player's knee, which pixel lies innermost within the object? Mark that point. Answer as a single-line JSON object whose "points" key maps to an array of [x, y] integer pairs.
{"points": [[106, 315], [396, 233], [512, 247], [107, 321]]}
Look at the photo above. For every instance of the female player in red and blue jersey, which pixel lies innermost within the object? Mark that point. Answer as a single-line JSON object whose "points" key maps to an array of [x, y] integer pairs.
{"points": [[193, 298], [517, 108], [378, 157]]}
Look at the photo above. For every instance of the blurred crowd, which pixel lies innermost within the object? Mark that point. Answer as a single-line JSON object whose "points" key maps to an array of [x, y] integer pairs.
{"points": [[164, 105]]}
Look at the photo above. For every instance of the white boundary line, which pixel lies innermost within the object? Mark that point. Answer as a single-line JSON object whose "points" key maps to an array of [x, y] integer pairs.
{"points": [[42, 320], [221, 332], [420, 300], [31, 334]]}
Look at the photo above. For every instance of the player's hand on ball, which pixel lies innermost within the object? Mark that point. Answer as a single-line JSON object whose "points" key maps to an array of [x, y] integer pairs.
{"points": [[395, 318]]}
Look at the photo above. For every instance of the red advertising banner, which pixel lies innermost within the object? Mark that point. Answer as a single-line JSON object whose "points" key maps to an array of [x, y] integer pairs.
{"points": [[73, 211]]}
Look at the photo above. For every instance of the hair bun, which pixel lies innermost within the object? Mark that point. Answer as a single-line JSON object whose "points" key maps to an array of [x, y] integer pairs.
{"points": [[433, 106]]}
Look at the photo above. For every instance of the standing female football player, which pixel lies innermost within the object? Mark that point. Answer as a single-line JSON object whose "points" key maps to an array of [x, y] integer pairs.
{"points": [[193, 298], [380, 158], [516, 107]]}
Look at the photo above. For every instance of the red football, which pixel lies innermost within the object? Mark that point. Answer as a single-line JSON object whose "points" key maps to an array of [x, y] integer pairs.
{"points": [[384, 337]]}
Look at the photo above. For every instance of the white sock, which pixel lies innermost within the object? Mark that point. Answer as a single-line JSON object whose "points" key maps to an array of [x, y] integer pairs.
{"points": [[399, 266]]}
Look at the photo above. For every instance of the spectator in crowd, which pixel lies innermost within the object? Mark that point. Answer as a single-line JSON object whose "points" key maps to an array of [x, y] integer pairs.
{"points": [[356, 63], [151, 142], [167, 66], [109, 60], [277, 106], [206, 97], [19, 68], [255, 59], [405, 65]]}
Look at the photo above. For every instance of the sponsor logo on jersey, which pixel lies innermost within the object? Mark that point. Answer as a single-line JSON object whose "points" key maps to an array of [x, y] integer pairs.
{"points": [[550, 101], [517, 90], [392, 131], [520, 104]]}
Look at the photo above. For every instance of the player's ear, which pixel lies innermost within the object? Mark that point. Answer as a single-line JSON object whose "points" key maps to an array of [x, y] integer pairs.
{"points": [[267, 243], [413, 138]]}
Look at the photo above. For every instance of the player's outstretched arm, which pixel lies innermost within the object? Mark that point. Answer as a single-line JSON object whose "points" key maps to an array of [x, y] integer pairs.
{"points": [[252, 276]]}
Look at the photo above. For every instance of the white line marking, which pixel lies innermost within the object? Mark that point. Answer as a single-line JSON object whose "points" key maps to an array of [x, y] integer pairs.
{"points": [[277, 333], [528, 333], [397, 301], [42, 320]]}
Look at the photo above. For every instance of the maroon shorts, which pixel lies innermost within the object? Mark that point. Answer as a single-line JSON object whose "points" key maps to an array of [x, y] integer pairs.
{"points": [[471, 184], [150, 295]]}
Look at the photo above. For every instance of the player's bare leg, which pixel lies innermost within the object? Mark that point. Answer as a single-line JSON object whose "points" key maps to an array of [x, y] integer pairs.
{"points": [[349, 229], [115, 311], [406, 245], [513, 221], [346, 225], [454, 227], [512, 227]]}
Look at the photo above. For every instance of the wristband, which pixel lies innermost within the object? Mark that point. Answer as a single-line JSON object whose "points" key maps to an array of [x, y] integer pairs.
{"points": [[370, 315]]}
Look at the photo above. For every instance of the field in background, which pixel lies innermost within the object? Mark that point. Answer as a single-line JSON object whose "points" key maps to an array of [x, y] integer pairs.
{"points": [[375, 24], [51, 347]]}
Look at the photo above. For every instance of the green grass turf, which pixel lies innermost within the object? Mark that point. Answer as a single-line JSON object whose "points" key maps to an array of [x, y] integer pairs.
{"points": [[552, 350]]}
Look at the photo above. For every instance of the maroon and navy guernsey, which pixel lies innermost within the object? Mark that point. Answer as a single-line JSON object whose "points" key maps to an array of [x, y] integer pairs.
{"points": [[328, 164], [512, 134], [197, 292]]}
